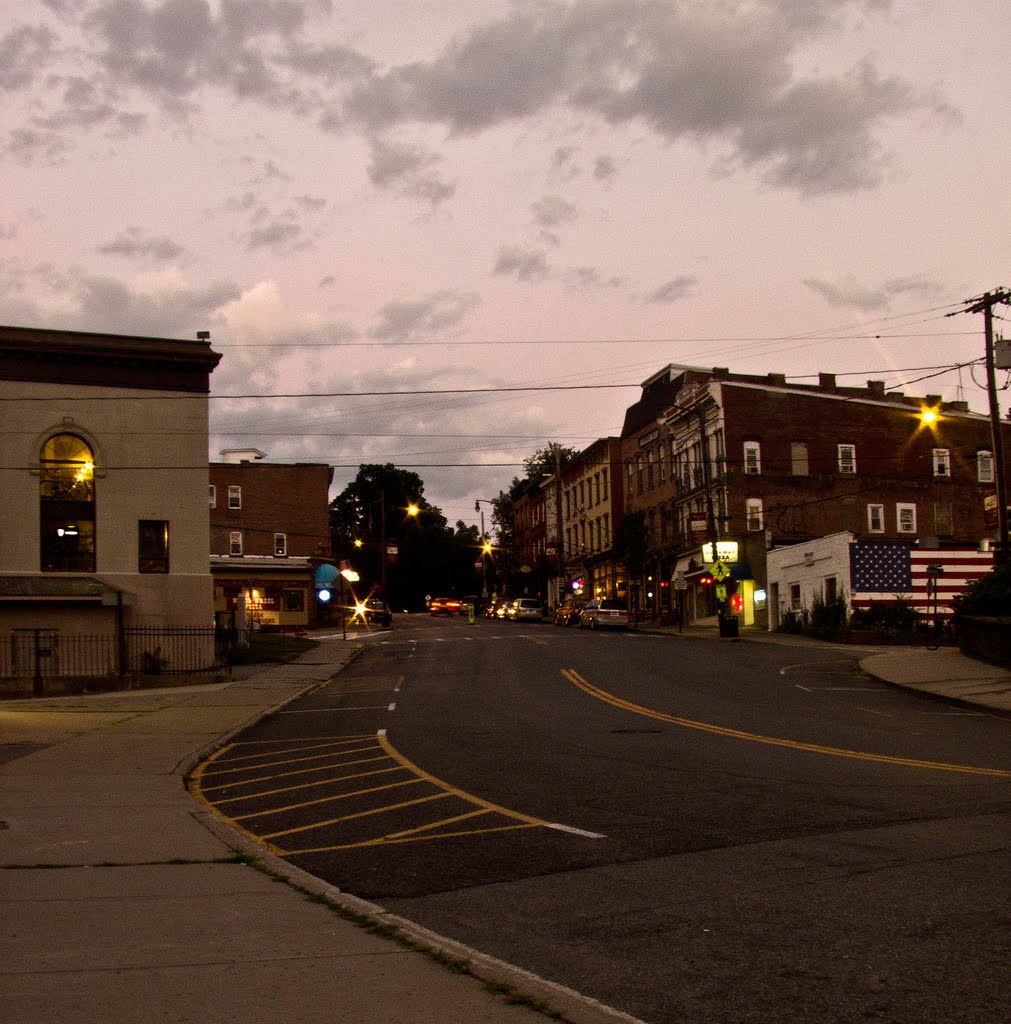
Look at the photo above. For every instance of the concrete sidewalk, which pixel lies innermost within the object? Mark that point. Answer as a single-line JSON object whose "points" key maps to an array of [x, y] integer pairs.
{"points": [[124, 901]]}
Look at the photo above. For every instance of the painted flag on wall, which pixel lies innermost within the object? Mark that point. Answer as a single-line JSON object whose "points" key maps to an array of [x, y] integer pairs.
{"points": [[888, 571]]}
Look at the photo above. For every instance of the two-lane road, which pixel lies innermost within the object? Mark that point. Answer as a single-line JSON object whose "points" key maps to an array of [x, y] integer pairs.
{"points": [[690, 830]]}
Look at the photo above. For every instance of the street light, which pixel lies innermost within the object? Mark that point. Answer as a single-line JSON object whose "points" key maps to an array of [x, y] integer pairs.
{"points": [[485, 546]]}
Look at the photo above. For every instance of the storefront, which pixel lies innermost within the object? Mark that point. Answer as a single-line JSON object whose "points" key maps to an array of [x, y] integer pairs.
{"points": [[277, 593]]}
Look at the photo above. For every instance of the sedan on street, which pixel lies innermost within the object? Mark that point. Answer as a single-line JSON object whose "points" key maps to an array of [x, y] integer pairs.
{"points": [[605, 613]]}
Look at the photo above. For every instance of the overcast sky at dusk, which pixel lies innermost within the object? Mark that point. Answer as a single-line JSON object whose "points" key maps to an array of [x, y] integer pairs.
{"points": [[368, 196]]}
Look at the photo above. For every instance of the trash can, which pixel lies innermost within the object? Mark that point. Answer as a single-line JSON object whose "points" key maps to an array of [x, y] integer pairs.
{"points": [[729, 626]]}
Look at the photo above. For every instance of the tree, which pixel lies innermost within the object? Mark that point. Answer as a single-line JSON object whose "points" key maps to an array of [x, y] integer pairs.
{"points": [[543, 461]]}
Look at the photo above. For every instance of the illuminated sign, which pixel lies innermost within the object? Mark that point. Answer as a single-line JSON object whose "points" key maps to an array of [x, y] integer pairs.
{"points": [[726, 551]]}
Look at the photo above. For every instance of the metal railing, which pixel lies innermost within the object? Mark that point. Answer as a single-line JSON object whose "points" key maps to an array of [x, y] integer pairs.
{"points": [[49, 654]]}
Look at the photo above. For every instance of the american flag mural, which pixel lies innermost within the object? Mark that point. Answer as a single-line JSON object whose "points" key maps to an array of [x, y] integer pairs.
{"points": [[885, 571]]}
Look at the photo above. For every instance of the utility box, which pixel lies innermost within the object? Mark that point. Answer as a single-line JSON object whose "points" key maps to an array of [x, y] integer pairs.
{"points": [[1002, 354]]}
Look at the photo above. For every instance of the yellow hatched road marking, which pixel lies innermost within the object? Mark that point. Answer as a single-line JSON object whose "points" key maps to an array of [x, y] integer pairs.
{"points": [[816, 748], [285, 775], [309, 785], [358, 814], [327, 799], [409, 839]]}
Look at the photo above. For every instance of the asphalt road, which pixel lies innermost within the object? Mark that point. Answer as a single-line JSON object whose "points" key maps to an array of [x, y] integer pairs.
{"points": [[689, 830]]}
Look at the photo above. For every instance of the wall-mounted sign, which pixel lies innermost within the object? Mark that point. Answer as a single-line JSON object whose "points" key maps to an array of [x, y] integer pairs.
{"points": [[726, 551]]}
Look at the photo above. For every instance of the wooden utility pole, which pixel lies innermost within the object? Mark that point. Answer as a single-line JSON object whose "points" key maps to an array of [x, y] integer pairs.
{"points": [[985, 305]]}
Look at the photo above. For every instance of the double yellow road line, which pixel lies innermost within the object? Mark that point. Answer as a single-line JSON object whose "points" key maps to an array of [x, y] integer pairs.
{"points": [[738, 734]]}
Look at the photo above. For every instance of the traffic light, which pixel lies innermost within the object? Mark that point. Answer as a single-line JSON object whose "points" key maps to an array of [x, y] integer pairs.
{"points": [[323, 595]]}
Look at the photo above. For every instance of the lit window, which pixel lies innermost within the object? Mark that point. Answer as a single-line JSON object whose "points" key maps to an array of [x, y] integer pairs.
{"points": [[847, 458], [752, 458], [280, 544], [905, 517], [234, 496], [212, 495], [984, 467], [941, 462], [755, 516], [67, 505], [153, 545], [235, 542], [875, 518]]}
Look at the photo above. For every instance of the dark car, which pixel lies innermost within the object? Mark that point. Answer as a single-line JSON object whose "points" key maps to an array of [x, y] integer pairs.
{"points": [[606, 613], [377, 613], [567, 613], [445, 606]]}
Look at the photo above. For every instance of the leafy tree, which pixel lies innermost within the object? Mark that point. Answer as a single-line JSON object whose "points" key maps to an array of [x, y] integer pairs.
{"points": [[989, 595], [543, 461]]}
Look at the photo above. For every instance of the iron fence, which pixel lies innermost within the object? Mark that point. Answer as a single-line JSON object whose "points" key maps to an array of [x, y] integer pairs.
{"points": [[44, 654]]}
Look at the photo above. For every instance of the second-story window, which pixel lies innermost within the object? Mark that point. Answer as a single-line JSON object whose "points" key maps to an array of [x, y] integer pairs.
{"points": [[847, 454], [280, 544], [905, 517], [213, 495], [755, 515], [798, 458], [638, 474], [603, 484], [875, 518], [234, 496], [752, 458], [235, 542], [941, 462], [984, 467], [649, 469]]}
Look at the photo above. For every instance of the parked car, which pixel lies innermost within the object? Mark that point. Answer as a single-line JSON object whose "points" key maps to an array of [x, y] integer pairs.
{"points": [[567, 613], [526, 609], [445, 606], [502, 611], [378, 613], [604, 613]]}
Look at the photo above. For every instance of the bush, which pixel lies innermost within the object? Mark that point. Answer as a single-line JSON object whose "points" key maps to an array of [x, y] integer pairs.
{"points": [[989, 595], [891, 617], [828, 618]]}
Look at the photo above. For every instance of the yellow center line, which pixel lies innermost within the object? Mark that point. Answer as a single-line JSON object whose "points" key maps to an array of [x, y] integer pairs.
{"points": [[816, 748], [469, 797]]}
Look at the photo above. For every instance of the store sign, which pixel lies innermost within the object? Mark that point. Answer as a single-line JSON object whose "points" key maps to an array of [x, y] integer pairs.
{"points": [[698, 525], [726, 551]]}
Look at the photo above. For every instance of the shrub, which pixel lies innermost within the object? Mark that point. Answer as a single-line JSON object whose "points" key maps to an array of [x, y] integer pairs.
{"points": [[989, 595], [828, 618], [891, 617]]}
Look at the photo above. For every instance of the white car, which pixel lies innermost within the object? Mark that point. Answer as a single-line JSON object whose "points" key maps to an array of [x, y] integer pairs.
{"points": [[606, 613], [526, 609]]}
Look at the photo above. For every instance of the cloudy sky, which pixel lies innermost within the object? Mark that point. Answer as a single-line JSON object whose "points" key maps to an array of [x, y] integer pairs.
{"points": [[361, 197]]}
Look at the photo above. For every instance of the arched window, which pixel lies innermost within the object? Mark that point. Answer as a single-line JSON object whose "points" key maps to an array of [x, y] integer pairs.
{"points": [[67, 505]]}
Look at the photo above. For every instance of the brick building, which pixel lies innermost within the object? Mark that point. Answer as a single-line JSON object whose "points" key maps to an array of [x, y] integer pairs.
{"points": [[269, 529], [533, 569], [591, 500], [755, 461]]}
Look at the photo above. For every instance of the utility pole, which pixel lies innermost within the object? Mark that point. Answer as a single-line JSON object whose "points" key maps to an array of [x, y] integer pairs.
{"points": [[560, 553], [985, 305]]}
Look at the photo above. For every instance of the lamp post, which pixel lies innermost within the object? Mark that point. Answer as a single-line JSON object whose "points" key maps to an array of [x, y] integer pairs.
{"points": [[485, 546]]}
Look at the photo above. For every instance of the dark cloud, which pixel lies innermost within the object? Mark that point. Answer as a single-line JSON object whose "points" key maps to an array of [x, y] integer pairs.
{"points": [[411, 319], [604, 168], [134, 244], [550, 211], [848, 293], [530, 265], [674, 290], [24, 53], [721, 73], [78, 301], [281, 230], [408, 170], [590, 279]]}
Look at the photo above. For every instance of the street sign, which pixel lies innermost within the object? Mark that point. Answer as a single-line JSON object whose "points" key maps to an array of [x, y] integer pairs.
{"points": [[680, 581], [719, 571], [721, 591]]}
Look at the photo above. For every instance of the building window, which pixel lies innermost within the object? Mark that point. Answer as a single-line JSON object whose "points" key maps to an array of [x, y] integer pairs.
{"points": [[294, 600], [942, 462], [603, 481], [795, 605], [984, 467], [847, 458], [905, 517], [944, 519], [212, 492], [234, 496], [607, 530], [752, 458], [755, 516], [638, 474], [153, 545], [875, 518], [831, 589], [235, 542], [661, 458], [66, 505], [798, 458], [649, 469], [280, 544]]}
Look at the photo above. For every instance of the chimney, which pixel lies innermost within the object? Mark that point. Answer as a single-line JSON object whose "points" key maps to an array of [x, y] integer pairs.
{"points": [[826, 381], [876, 388], [776, 378]]}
